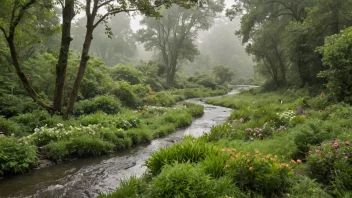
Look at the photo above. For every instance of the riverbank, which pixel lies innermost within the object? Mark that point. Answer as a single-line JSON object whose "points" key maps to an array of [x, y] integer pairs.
{"points": [[89, 177], [277, 144]]}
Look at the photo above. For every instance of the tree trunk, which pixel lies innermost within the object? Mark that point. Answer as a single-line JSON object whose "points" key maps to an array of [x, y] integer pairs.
{"points": [[82, 68], [24, 79], [68, 14]]}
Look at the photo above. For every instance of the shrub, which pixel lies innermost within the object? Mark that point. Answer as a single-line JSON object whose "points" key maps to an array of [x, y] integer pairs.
{"points": [[126, 95], [119, 121], [259, 173], [162, 130], [337, 56], [331, 163], [313, 133], [105, 103], [126, 73], [189, 150], [8, 127], [214, 165], [319, 102], [16, 156], [37, 118], [218, 132], [139, 135], [184, 180], [57, 151], [90, 146], [305, 187], [180, 119], [196, 110], [165, 99]]}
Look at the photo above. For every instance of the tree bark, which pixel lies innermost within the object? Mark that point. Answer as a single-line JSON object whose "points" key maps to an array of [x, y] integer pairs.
{"points": [[82, 68], [24, 79], [61, 67]]}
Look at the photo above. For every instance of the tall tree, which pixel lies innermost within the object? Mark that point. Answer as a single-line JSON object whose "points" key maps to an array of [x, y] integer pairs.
{"points": [[174, 34], [21, 11]]}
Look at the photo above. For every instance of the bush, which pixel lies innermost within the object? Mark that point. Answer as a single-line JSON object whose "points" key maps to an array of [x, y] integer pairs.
{"points": [[189, 150], [177, 117], [319, 102], [37, 118], [313, 133], [16, 156], [165, 99], [139, 135], [89, 146], [337, 56], [260, 173], [57, 151], [331, 163], [8, 127], [195, 110], [126, 95], [187, 180], [44, 135], [218, 132], [214, 165], [105, 103], [126, 73], [119, 121]]}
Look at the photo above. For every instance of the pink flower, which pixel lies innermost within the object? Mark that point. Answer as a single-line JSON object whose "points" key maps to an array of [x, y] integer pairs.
{"points": [[347, 143], [335, 145]]}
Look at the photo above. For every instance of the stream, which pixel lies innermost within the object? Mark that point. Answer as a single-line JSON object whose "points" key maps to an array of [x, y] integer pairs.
{"points": [[88, 177]]}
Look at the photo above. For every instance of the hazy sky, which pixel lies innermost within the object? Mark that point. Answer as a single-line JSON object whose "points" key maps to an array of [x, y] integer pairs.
{"points": [[136, 19]]}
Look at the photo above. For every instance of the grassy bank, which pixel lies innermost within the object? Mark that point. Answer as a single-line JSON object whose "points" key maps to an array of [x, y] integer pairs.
{"points": [[277, 144], [89, 135]]}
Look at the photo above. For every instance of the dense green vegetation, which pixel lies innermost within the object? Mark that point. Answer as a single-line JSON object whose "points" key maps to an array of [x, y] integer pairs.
{"points": [[277, 144]]}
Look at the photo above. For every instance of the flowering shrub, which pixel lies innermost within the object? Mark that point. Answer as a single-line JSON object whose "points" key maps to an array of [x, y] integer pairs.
{"points": [[259, 133], [332, 162], [219, 131], [117, 121], [258, 172], [286, 117], [16, 156], [45, 135]]}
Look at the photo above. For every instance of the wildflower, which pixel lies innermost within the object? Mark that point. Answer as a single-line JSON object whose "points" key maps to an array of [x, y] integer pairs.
{"points": [[310, 152], [194, 141], [223, 150], [248, 161], [347, 143], [299, 161], [248, 154], [250, 168], [336, 145], [226, 166], [293, 161]]}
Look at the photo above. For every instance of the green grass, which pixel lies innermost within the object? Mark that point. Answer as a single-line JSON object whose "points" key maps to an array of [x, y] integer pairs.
{"points": [[247, 153]]}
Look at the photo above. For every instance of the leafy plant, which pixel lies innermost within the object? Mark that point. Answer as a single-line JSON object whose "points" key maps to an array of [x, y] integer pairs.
{"points": [[16, 156]]}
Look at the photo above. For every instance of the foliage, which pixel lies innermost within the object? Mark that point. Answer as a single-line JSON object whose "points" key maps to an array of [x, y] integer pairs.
{"points": [[196, 110], [187, 180], [187, 151], [16, 156], [126, 73], [90, 146], [330, 163], [8, 127], [223, 74], [336, 55], [105, 103], [125, 94]]}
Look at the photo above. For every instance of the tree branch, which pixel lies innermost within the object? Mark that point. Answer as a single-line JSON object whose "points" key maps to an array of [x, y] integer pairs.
{"points": [[20, 15]]}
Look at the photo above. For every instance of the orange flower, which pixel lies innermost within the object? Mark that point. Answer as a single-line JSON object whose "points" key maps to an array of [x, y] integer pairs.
{"points": [[299, 161], [248, 154], [226, 166], [250, 168], [248, 161], [293, 161]]}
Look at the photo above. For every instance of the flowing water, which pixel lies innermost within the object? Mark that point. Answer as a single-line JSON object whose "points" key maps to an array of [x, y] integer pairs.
{"points": [[84, 178]]}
